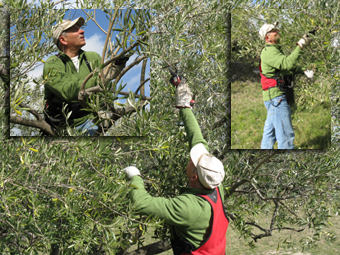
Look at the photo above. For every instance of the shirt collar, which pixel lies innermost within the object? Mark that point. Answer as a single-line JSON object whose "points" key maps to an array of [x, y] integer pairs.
{"points": [[194, 191], [278, 46], [81, 52]]}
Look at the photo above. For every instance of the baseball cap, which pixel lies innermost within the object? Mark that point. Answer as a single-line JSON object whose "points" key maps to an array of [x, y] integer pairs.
{"points": [[266, 28], [210, 169], [64, 25]]}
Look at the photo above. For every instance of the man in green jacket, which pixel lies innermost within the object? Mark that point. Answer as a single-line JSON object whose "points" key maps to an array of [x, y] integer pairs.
{"points": [[196, 227], [276, 70], [66, 72]]}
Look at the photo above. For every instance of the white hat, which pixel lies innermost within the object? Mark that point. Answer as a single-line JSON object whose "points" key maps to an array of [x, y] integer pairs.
{"points": [[210, 170], [266, 28], [66, 24]]}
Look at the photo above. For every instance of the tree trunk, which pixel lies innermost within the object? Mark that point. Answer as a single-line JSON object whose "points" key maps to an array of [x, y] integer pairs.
{"points": [[228, 33]]}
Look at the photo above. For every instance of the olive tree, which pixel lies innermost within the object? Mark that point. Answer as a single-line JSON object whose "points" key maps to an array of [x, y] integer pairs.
{"points": [[31, 35], [68, 196]]}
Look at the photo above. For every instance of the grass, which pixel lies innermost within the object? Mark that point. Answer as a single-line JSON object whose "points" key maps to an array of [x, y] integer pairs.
{"points": [[312, 125], [269, 245]]}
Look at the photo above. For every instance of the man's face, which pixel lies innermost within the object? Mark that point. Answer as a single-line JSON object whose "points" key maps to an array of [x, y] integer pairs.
{"points": [[273, 37], [75, 37], [190, 169]]}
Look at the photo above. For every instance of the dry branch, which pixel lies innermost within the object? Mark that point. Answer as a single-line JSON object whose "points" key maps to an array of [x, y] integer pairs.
{"points": [[42, 124]]}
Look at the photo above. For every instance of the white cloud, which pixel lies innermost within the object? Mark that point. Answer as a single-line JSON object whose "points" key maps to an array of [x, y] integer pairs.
{"points": [[133, 82], [37, 72], [94, 43]]}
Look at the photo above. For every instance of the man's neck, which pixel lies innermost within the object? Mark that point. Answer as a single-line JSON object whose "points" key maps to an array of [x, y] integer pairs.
{"points": [[196, 184], [72, 53]]}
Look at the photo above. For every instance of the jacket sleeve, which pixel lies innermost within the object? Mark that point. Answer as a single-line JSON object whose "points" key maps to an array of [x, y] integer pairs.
{"points": [[173, 211], [278, 60], [192, 128], [63, 85]]}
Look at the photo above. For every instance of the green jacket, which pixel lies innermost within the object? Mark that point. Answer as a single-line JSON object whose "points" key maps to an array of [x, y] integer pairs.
{"points": [[188, 213], [64, 85], [272, 58]]}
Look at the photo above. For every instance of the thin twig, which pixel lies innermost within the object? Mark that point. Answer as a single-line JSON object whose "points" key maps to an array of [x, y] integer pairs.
{"points": [[141, 86]]}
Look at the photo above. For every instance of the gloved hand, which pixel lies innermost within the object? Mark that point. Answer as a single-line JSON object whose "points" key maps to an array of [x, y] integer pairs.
{"points": [[183, 94], [131, 171], [309, 73], [112, 70], [304, 41]]}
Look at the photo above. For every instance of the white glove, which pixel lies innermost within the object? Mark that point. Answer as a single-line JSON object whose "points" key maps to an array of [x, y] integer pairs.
{"points": [[111, 71], [183, 94], [309, 73], [131, 171], [304, 41]]}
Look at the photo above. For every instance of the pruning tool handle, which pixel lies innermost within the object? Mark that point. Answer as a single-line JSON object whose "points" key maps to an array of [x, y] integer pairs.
{"points": [[171, 71], [313, 31], [175, 78]]}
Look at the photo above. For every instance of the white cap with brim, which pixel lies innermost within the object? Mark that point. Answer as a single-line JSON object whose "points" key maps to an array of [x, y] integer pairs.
{"points": [[66, 24], [266, 28], [210, 170]]}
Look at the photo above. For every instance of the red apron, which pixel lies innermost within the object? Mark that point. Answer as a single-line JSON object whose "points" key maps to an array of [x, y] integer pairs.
{"points": [[216, 242]]}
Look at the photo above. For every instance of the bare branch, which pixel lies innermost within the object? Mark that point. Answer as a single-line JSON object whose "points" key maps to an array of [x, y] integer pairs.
{"points": [[257, 191], [141, 86], [94, 19], [82, 93], [142, 77], [32, 111], [233, 188], [126, 69], [272, 222], [293, 229], [263, 162], [256, 225], [288, 209], [107, 39], [42, 124]]}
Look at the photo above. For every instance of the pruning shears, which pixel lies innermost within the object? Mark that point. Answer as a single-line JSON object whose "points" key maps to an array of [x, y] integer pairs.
{"points": [[176, 79], [313, 31]]}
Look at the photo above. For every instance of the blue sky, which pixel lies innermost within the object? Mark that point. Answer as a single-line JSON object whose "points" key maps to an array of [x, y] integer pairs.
{"points": [[95, 39]]}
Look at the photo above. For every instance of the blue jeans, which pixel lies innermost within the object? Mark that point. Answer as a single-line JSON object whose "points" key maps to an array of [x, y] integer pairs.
{"points": [[278, 126], [89, 126]]}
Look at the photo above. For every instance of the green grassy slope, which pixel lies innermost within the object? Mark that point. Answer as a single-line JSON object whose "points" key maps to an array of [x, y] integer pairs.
{"points": [[312, 124]]}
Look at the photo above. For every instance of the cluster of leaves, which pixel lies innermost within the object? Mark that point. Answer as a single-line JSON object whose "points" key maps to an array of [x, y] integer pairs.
{"points": [[69, 195], [294, 191], [78, 203]]}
